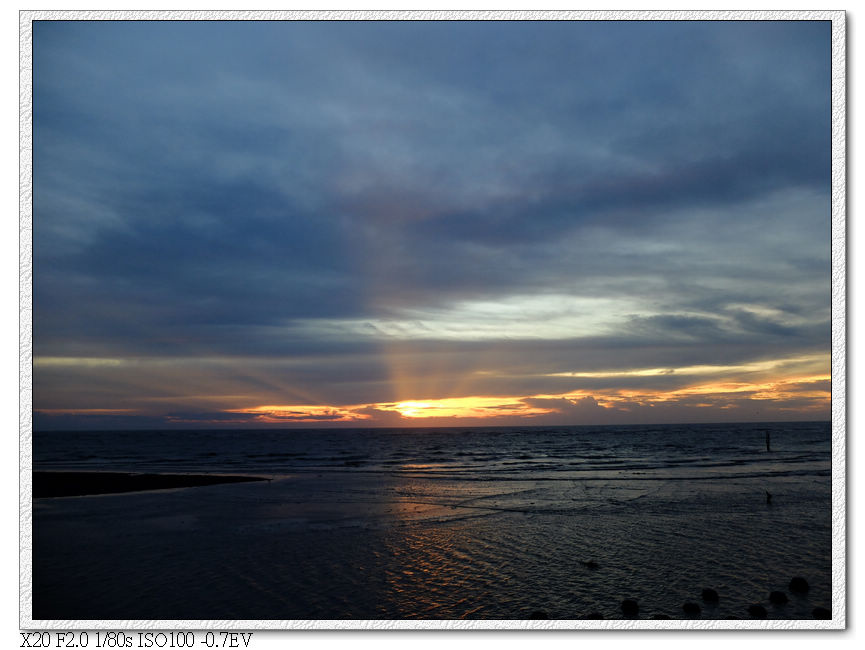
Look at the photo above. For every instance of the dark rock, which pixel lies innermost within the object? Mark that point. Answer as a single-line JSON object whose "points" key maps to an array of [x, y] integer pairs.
{"points": [[709, 596], [591, 564], [691, 608], [799, 585], [538, 614], [758, 611], [661, 617], [594, 616], [630, 608], [778, 598], [821, 613]]}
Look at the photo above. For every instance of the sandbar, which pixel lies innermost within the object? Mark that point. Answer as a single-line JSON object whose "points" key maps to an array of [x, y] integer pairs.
{"points": [[68, 484]]}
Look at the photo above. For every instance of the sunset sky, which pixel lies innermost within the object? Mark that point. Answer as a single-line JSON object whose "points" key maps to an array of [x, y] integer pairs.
{"points": [[430, 223]]}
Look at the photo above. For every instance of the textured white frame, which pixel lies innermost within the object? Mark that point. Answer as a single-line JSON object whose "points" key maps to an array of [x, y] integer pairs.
{"points": [[839, 338]]}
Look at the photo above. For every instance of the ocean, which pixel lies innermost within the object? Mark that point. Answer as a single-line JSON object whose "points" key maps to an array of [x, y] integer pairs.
{"points": [[457, 523]]}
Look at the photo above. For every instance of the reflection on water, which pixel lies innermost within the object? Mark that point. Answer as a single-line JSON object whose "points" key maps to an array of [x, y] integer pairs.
{"points": [[505, 564], [429, 549], [487, 542], [425, 575]]}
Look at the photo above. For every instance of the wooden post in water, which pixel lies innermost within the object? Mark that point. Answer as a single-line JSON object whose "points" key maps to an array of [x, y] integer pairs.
{"points": [[768, 447]]}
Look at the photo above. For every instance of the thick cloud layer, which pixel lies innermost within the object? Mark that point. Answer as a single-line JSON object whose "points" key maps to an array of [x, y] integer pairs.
{"points": [[351, 213]]}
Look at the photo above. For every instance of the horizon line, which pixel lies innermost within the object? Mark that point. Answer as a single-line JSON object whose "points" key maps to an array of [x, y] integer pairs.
{"points": [[266, 427]]}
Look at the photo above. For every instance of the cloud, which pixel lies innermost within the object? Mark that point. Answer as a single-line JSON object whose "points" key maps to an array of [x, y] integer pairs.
{"points": [[581, 407], [316, 208]]}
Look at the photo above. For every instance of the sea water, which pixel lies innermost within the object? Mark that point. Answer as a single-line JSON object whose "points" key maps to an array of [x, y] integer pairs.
{"points": [[483, 523]]}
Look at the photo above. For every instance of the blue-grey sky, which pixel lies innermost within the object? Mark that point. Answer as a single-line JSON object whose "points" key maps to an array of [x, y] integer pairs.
{"points": [[391, 223]]}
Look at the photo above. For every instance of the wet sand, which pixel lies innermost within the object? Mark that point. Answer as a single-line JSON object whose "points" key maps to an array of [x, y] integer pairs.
{"points": [[356, 546], [68, 484]]}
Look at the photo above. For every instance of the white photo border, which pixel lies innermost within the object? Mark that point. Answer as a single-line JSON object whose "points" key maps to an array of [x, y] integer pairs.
{"points": [[839, 320]]}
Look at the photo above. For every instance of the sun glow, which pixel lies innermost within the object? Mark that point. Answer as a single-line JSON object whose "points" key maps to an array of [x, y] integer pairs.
{"points": [[465, 407], [809, 392], [438, 395], [414, 409]]}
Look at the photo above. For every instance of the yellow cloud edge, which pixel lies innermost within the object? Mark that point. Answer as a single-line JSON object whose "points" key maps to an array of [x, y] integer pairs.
{"points": [[488, 407]]}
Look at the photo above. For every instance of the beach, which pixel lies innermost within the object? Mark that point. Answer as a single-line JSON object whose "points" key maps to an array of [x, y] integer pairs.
{"points": [[356, 545]]}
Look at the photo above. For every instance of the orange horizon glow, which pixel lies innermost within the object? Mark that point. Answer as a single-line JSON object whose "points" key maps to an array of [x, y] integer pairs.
{"points": [[719, 395], [427, 392], [302, 413]]}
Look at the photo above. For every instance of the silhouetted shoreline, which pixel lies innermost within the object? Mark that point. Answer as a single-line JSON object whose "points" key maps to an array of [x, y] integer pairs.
{"points": [[68, 484]]}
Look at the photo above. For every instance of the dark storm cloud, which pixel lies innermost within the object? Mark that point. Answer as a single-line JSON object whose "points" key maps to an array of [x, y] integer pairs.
{"points": [[232, 190]]}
